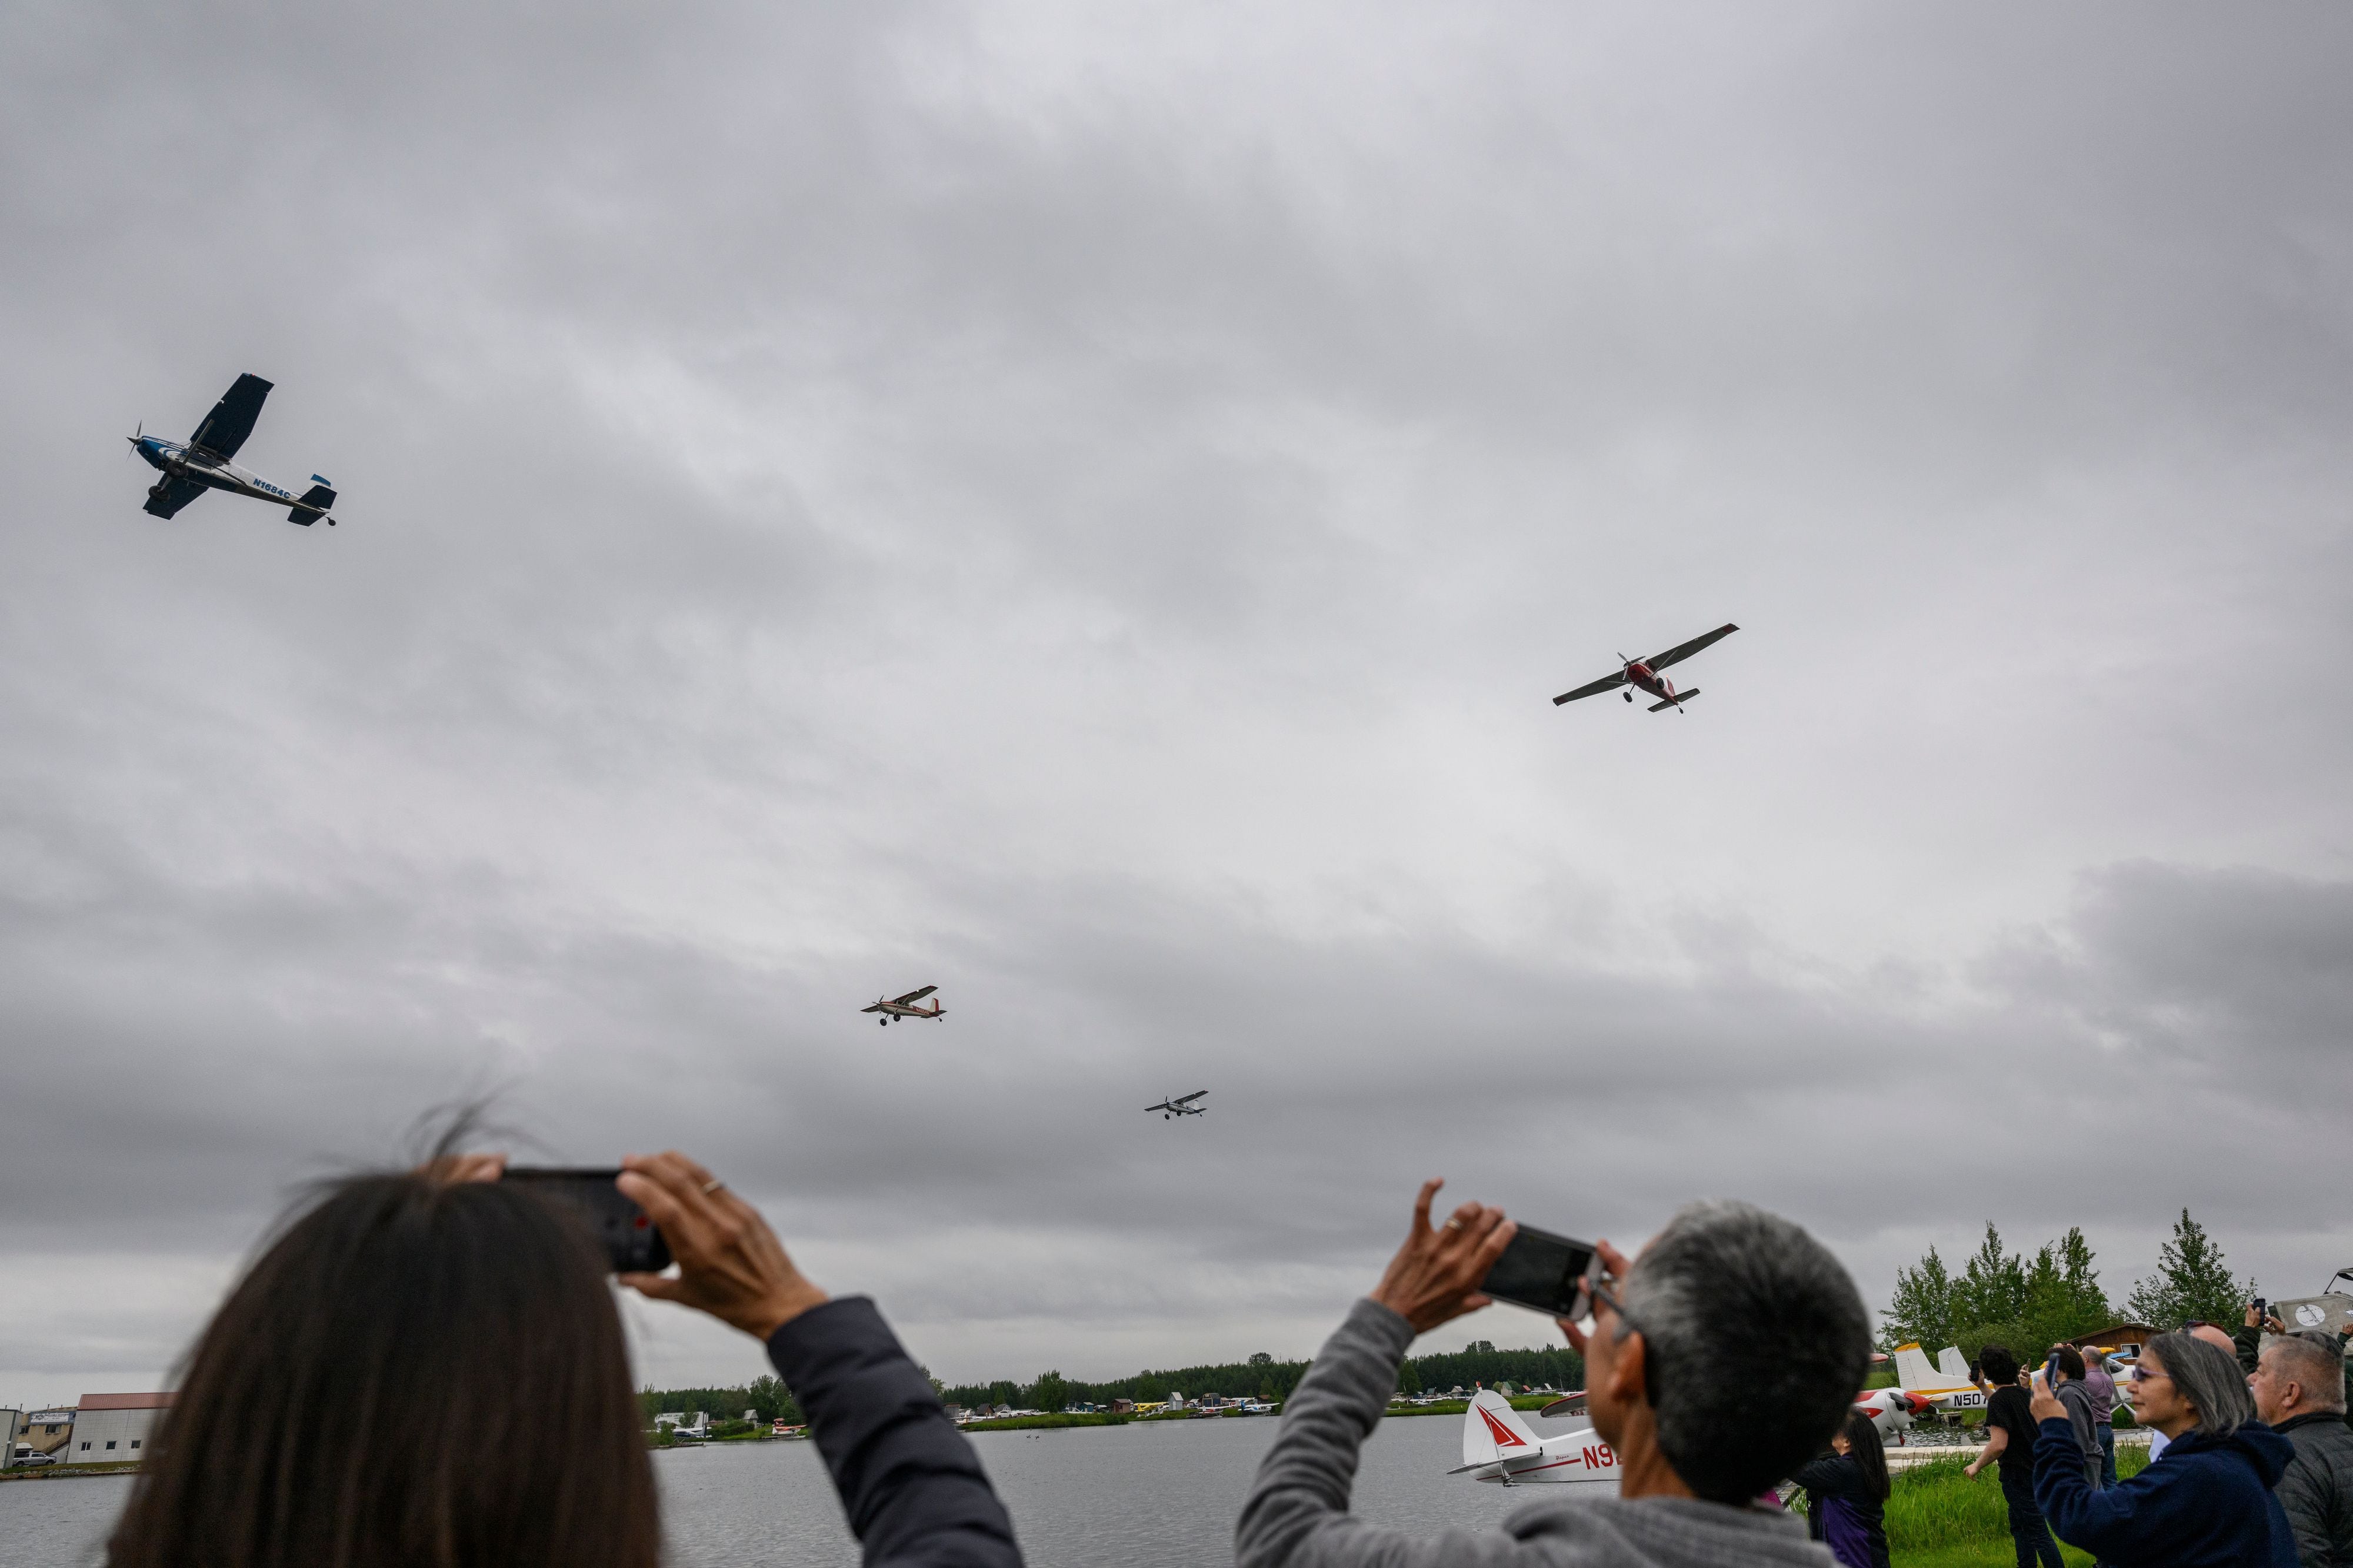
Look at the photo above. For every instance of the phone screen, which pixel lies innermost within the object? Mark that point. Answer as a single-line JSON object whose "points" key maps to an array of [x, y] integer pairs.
{"points": [[633, 1244], [1541, 1270]]}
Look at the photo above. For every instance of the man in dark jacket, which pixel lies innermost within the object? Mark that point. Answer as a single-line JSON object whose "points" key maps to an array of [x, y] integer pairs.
{"points": [[2065, 1369], [2298, 1393], [2249, 1342]]}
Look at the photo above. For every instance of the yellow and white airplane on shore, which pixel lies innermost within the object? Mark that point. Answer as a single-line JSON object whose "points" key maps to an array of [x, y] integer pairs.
{"points": [[1921, 1386]]}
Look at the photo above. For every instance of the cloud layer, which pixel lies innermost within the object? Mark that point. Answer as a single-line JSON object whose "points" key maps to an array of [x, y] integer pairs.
{"points": [[1090, 516]]}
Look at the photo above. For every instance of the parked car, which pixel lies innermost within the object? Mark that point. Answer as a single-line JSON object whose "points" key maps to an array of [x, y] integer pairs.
{"points": [[34, 1461]]}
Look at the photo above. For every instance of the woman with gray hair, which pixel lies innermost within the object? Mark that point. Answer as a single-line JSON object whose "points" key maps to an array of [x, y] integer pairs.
{"points": [[2206, 1500]]}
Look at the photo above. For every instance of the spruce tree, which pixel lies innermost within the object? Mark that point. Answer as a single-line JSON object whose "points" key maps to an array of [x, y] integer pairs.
{"points": [[2191, 1282], [1922, 1307]]}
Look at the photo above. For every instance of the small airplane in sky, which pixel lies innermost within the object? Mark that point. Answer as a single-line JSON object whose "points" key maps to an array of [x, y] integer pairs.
{"points": [[1498, 1447], [904, 1006], [202, 463], [1181, 1106], [1644, 673]]}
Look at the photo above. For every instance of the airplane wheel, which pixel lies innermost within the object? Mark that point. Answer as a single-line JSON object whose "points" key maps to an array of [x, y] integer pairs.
{"points": [[883, 1021], [1630, 697]]}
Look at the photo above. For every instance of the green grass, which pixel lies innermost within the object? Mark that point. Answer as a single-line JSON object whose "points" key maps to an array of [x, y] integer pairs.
{"points": [[1939, 1518]]}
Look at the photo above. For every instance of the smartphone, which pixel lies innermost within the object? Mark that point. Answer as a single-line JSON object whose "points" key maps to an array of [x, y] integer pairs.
{"points": [[633, 1244], [2261, 1307], [1543, 1271]]}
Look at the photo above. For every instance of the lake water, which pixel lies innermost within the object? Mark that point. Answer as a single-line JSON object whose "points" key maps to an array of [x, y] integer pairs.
{"points": [[1149, 1494]]}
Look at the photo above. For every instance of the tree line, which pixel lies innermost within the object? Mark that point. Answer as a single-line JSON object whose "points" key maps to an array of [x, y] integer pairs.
{"points": [[2029, 1303], [1263, 1377]]}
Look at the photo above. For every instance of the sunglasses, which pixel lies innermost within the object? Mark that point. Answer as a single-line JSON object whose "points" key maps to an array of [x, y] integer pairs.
{"points": [[2142, 1374]]}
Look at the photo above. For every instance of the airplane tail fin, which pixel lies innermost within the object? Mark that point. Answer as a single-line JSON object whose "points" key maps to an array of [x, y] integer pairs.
{"points": [[1492, 1430], [1953, 1363], [1911, 1368], [1677, 701], [314, 504]]}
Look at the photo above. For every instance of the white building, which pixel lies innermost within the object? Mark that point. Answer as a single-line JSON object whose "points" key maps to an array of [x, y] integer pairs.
{"points": [[114, 1429]]}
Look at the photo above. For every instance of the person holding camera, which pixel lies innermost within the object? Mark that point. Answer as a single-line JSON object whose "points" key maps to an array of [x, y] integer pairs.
{"points": [[2249, 1342], [428, 1367], [2010, 1444], [1846, 1494], [1718, 1363], [2208, 1503], [2300, 1396], [2063, 1373]]}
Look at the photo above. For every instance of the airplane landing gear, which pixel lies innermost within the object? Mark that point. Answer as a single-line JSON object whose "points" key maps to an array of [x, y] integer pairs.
{"points": [[884, 1022], [1630, 697]]}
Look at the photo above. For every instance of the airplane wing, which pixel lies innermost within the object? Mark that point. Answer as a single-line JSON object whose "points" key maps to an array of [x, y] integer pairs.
{"points": [[1566, 1405], [177, 493], [913, 996], [1189, 1099], [1607, 683], [1682, 651], [1164, 1105], [231, 420]]}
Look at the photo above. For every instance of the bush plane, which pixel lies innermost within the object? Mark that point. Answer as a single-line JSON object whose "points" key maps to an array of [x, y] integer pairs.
{"points": [[1498, 1447], [1943, 1386], [1644, 673], [1181, 1106], [904, 1006], [202, 463]]}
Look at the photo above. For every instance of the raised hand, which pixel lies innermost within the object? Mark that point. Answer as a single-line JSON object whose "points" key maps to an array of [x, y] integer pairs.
{"points": [[730, 1264], [1435, 1275]]}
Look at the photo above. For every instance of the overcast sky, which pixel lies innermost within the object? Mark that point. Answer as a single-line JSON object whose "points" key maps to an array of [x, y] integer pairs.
{"points": [[1087, 507]]}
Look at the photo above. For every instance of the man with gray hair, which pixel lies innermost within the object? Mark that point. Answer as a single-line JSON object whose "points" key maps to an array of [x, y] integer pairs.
{"points": [[1719, 1361], [2299, 1389]]}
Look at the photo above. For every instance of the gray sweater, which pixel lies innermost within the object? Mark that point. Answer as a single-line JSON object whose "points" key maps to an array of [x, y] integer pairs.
{"points": [[1297, 1515]]}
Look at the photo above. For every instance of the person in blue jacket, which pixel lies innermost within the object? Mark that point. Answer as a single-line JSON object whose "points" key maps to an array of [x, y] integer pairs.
{"points": [[2206, 1502]]}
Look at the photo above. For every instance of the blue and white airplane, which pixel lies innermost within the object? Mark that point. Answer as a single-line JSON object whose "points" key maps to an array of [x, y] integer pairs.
{"points": [[202, 463]]}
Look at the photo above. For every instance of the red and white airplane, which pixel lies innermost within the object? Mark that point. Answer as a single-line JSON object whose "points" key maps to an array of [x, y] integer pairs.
{"points": [[1921, 1388], [1644, 673], [904, 1006], [1498, 1447]]}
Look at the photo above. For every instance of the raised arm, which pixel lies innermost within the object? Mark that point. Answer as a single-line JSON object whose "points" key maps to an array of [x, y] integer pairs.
{"points": [[1297, 1513], [912, 1486]]}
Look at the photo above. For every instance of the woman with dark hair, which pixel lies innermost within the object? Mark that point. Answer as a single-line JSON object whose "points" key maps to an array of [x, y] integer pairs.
{"points": [[427, 1370], [2010, 1443], [1846, 1495], [2207, 1500]]}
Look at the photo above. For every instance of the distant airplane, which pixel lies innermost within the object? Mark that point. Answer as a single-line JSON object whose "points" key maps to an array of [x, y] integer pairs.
{"points": [[1644, 673], [202, 463], [1181, 1106], [904, 1006], [1498, 1447]]}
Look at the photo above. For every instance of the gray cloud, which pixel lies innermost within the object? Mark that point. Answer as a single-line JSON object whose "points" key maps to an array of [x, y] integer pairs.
{"points": [[1088, 515]]}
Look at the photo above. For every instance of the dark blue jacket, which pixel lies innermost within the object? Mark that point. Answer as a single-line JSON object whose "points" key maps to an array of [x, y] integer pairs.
{"points": [[913, 1487], [2206, 1502]]}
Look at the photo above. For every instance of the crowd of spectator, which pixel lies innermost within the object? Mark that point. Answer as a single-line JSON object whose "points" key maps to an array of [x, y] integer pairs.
{"points": [[428, 1367]]}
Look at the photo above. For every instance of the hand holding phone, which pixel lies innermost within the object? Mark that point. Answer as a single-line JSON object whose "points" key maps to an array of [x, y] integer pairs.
{"points": [[1544, 1272], [633, 1244], [1435, 1275]]}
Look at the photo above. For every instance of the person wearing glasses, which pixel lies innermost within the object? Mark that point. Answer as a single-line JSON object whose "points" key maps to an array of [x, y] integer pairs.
{"points": [[2207, 1503], [1717, 1364]]}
